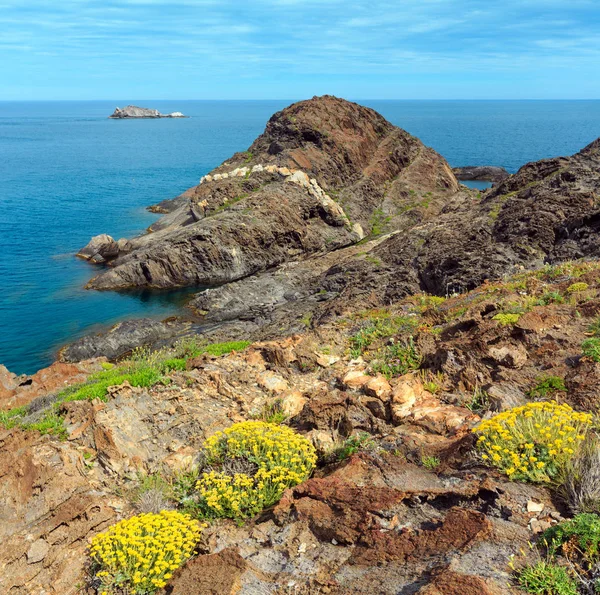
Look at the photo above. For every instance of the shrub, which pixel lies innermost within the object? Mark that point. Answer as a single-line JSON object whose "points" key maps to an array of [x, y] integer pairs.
{"points": [[581, 533], [591, 348], [546, 386], [397, 359], [577, 287], [138, 555], [532, 442], [580, 485], [551, 297], [546, 578], [506, 318], [270, 458]]}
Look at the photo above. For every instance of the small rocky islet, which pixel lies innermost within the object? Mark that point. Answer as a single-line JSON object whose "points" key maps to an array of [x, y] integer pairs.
{"points": [[362, 296], [132, 112]]}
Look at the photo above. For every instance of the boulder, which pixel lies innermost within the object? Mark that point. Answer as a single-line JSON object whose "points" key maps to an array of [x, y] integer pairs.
{"points": [[100, 249]]}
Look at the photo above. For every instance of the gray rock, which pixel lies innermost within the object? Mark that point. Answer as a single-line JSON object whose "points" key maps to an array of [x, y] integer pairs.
{"points": [[485, 173], [38, 551], [100, 249], [119, 340]]}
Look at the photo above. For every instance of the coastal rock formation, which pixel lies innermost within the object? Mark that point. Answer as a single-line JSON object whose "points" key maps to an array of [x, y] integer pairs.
{"points": [[545, 213], [132, 111], [324, 172], [485, 173]]}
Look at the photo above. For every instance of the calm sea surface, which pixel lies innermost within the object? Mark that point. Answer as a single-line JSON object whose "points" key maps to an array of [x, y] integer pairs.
{"points": [[68, 173]]}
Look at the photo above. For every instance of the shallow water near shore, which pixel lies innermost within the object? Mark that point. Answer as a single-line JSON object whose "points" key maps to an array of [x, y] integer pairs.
{"points": [[67, 173]]}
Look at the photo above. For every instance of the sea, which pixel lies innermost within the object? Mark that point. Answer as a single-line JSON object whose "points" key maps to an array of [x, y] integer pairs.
{"points": [[68, 173]]}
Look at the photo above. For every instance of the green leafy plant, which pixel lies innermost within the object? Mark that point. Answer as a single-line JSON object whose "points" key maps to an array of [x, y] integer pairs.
{"points": [[581, 532], [591, 348], [397, 359], [430, 462], [351, 445], [547, 386], [272, 413], [550, 297], [594, 328], [479, 401], [546, 578], [219, 349]]}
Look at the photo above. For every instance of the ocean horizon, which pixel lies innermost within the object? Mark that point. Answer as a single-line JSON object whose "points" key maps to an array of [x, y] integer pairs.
{"points": [[69, 173]]}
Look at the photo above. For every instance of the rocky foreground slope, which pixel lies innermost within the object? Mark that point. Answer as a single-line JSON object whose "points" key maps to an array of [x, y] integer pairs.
{"points": [[385, 352]]}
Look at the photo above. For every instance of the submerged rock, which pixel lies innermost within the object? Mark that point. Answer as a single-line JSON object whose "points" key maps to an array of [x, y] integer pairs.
{"points": [[132, 111]]}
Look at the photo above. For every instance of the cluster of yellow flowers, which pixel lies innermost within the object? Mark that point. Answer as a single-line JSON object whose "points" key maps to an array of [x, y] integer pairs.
{"points": [[138, 555], [532, 442], [283, 458]]}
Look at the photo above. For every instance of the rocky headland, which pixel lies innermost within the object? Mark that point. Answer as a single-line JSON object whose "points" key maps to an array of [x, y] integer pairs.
{"points": [[132, 111], [358, 293]]}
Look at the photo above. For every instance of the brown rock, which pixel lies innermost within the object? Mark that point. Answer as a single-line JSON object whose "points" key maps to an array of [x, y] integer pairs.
{"points": [[379, 387], [511, 356], [356, 379]]}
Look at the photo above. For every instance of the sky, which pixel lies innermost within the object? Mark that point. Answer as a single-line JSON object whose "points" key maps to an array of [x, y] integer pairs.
{"points": [[292, 49]]}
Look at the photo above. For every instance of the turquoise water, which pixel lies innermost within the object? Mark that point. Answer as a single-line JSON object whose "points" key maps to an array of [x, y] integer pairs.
{"points": [[68, 173]]}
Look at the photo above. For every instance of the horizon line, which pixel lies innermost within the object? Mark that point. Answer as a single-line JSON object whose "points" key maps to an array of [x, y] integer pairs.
{"points": [[295, 100]]}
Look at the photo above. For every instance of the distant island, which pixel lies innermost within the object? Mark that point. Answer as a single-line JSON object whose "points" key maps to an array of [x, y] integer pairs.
{"points": [[132, 111]]}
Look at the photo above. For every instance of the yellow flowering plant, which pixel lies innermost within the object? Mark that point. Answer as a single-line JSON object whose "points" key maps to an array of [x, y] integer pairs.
{"points": [[276, 456], [138, 555], [532, 442]]}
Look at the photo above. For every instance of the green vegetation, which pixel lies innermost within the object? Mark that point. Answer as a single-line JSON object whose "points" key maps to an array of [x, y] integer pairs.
{"points": [[547, 386], [550, 297], [380, 326], [591, 348], [581, 533], [507, 319], [546, 578], [249, 157], [594, 328], [397, 359], [351, 445], [225, 348], [430, 462], [577, 287], [272, 413], [377, 222], [143, 369], [479, 401]]}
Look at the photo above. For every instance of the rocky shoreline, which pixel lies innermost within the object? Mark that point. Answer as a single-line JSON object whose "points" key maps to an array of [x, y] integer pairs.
{"points": [[362, 296]]}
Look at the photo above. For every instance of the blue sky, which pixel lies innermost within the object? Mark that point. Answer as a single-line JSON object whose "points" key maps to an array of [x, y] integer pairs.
{"points": [[291, 49]]}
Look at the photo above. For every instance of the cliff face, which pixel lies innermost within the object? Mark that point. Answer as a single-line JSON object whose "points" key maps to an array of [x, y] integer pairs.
{"points": [[323, 174]]}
